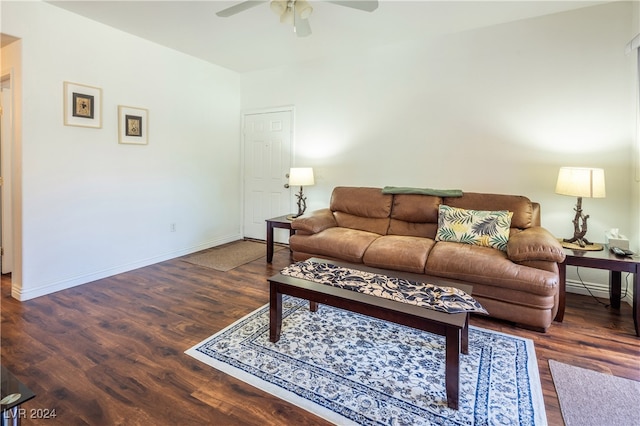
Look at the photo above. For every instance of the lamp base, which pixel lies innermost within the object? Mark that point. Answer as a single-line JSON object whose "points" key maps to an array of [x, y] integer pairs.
{"points": [[302, 203], [587, 247], [579, 242]]}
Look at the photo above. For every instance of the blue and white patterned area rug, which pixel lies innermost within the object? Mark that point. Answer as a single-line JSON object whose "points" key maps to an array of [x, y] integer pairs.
{"points": [[353, 369]]}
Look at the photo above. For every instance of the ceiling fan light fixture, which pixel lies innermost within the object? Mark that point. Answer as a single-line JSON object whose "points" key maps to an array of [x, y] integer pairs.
{"points": [[303, 9], [287, 17], [278, 6]]}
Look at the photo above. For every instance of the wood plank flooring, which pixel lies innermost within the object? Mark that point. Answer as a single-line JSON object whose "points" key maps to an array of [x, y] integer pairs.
{"points": [[112, 352]]}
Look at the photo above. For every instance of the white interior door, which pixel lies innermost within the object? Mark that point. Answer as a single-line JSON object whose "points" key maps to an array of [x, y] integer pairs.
{"points": [[267, 159]]}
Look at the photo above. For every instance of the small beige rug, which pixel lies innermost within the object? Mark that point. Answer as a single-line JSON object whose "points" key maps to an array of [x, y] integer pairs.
{"points": [[231, 255], [590, 398]]}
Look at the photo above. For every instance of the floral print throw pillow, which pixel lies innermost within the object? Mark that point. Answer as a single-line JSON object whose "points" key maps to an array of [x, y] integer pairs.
{"points": [[476, 227]]}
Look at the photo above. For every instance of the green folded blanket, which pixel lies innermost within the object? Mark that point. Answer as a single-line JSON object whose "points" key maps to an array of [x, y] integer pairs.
{"points": [[445, 193]]}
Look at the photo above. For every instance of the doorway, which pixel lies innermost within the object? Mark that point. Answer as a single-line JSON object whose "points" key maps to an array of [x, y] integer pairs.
{"points": [[267, 142], [6, 143]]}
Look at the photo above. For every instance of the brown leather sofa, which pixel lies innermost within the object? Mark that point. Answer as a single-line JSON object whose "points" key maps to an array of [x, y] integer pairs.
{"points": [[397, 232]]}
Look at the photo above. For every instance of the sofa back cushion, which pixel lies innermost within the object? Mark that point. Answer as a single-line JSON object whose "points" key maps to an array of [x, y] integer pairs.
{"points": [[366, 209], [414, 215], [522, 208]]}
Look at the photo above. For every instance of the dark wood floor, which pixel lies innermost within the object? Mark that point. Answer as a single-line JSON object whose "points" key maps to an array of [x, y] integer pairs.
{"points": [[112, 352]]}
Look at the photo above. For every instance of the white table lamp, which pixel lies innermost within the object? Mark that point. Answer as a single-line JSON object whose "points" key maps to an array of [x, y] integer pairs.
{"points": [[580, 182], [301, 176]]}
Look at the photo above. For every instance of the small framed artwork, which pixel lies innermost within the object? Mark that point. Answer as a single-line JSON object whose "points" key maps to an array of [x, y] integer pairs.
{"points": [[82, 105], [133, 125]]}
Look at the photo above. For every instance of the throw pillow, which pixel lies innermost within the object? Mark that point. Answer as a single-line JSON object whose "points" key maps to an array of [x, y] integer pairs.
{"points": [[476, 227]]}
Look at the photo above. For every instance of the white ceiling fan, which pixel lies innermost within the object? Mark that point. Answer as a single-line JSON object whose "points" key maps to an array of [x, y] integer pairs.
{"points": [[296, 12]]}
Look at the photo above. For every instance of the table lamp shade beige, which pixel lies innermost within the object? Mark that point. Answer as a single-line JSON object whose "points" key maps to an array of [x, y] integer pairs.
{"points": [[580, 182], [301, 176]]}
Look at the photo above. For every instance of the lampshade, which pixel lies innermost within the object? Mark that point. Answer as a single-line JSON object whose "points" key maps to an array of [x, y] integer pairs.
{"points": [[301, 176], [581, 182]]}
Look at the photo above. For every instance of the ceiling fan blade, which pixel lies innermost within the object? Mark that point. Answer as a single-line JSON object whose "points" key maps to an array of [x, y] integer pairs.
{"points": [[303, 29], [240, 7], [366, 5]]}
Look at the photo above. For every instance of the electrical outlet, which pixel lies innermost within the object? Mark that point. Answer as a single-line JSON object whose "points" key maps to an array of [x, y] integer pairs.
{"points": [[172, 227]]}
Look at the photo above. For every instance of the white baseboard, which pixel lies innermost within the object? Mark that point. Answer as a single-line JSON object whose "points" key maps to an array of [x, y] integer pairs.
{"points": [[42, 290], [599, 290]]}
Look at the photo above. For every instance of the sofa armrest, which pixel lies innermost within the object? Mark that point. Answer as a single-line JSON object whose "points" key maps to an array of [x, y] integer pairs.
{"points": [[535, 243], [314, 222]]}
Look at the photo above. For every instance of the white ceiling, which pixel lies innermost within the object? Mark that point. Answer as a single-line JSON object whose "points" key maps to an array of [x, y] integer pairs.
{"points": [[255, 39]]}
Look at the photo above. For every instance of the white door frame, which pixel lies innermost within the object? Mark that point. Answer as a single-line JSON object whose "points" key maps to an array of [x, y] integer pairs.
{"points": [[285, 108], [6, 204]]}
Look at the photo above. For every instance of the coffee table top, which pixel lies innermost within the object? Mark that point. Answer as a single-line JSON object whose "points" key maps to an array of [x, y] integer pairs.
{"points": [[457, 319]]}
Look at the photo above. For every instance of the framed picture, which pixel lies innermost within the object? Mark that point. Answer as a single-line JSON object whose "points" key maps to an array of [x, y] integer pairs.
{"points": [[133, 125], [82, 105]]}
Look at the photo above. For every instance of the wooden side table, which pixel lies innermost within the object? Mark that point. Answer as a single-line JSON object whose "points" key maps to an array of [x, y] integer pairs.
{"points": [[276, 222], [606, 260]]}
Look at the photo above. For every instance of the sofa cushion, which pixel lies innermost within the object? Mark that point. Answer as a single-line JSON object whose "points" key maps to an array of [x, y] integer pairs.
{"points": [[414, 229], [399, 252], [476, 227], [365, 209], [522, 207], [415, 215], [364, 202], [415, 208], [476, 264], [368, 224], [337, 243]]}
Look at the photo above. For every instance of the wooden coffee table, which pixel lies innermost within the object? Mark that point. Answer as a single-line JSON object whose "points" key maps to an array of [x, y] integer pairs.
{"points": [[455, 327]]}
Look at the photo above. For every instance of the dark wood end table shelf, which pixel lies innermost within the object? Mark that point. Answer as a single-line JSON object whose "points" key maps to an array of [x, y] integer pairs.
{"points": [[606, 260], [276, 222]]}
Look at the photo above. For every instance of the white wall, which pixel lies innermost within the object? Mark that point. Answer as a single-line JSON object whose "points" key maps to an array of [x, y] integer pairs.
{"points": [[498, 109], [91, 207], [634, 64]]}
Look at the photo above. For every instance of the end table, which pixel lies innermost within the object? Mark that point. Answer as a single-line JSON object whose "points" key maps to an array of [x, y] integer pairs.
{"points": [[606, 260], [276, 222]]}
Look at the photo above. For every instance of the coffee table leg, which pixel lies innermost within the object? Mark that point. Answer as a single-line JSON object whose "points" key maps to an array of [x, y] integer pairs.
{"points": [[275, 313], [452, 366], [464, 337], [313, 306]]}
